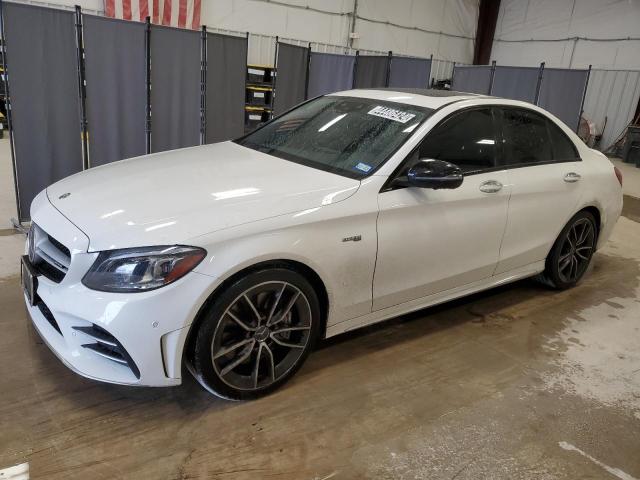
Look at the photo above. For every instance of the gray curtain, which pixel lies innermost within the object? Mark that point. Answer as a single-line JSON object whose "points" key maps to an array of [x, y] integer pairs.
{"points": [[330, 72], [516, 83], [175, 88], [291, 77], [471, 79], [561, 92], [41, 58], [226, 76], [410, 72], [116, 91], [371, 71]]}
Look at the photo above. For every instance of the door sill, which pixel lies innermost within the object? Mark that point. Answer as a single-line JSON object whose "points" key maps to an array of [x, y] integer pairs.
{"points": [[430, 300]]}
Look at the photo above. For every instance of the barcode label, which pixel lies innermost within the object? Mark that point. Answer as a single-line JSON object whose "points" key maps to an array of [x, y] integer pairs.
{"points": [[391, 114]]}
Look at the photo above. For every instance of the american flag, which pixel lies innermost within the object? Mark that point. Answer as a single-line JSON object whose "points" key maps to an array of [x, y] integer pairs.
{"points": [[175, 13]]}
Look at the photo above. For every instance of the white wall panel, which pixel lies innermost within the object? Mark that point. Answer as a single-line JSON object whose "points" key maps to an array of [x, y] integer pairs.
{"points": [[604, 19], [457, 19], [526, 19], [582, 32], [608, 55], [460, 17], [455, 49], [397, 11], [384, 38], [409, 27], [275, 19], [554, 54]]}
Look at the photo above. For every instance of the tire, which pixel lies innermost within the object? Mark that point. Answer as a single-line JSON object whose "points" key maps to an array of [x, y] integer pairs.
{"points": [[256, 334], [571, 253]]}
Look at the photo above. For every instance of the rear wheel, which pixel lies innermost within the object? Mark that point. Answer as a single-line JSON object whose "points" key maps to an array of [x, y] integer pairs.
{"points": [[256, 334], [571, 254]]}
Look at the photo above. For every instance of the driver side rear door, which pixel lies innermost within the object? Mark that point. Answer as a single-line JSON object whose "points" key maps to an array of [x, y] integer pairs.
{"points": [[430, 241]]}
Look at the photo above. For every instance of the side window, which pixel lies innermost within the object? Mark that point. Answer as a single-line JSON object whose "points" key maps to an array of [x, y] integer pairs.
{"points": [[525, 138], [466, 139], [563, 148]]}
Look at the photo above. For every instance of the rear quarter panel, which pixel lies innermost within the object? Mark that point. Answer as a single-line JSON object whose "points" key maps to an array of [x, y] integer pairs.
{"points": [[601, 190]]}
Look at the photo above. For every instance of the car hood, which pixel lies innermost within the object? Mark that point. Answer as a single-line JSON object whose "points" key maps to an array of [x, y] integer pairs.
{"points": [[170, 197]]}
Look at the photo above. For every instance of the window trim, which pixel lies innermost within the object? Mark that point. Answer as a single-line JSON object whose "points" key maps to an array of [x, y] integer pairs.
{"points": [[547, 120], [387, 186]]}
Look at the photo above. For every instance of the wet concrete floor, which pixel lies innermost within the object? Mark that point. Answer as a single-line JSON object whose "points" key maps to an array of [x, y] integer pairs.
{"points": [[516, 383]]}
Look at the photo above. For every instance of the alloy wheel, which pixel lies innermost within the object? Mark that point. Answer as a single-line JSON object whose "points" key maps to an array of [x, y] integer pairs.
{"points": [[576, 251], [261, 335]]}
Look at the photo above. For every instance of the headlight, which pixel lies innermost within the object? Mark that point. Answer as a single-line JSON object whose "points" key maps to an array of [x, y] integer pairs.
{"points": [[141, 269]]}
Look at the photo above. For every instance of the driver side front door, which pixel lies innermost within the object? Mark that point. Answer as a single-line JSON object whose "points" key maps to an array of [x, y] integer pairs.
{"points": [[430, 241]]}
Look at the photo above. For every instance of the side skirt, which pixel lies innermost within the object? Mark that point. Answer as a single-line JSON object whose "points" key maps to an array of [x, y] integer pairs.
{"points": [[435, 299]]}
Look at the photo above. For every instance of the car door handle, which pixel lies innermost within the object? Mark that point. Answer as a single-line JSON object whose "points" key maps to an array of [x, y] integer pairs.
{"points": [[490, 186], [572, 177]]}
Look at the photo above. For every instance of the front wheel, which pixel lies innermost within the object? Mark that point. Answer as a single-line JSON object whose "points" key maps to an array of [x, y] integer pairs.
{"points": [[256, 334], [571, 253]]}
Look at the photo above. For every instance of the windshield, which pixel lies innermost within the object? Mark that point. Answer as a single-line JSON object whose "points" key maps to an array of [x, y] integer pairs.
{"points": [[344, 135]]}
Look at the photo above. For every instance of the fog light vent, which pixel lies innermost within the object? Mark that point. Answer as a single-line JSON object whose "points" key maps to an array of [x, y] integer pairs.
{"points": [[107, 346]]}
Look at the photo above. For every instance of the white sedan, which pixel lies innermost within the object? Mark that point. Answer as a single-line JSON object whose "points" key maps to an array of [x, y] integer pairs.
{"points": [[233, 259]]}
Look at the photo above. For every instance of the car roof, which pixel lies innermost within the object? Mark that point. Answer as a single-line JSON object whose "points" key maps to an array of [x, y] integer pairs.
{"points": [[421, 97]]}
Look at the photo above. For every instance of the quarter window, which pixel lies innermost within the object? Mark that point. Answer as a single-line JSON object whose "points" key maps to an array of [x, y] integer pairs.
{"points": [[466, 139], [563, 148]]}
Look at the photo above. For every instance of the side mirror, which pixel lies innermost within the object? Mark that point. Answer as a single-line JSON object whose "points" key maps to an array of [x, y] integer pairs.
{"points": [[436, 174]]}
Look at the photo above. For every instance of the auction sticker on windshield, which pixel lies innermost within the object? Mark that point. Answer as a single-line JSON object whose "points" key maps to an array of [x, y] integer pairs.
{"points": [[363, 167], [391, 114]]}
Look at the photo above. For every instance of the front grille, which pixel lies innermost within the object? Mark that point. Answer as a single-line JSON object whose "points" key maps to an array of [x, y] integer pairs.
{"points": [[46, 313], [107, 346], [49, 257]]}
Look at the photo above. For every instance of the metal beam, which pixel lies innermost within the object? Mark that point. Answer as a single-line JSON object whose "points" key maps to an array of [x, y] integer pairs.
{"points": [[487, 20], [352, 26]]}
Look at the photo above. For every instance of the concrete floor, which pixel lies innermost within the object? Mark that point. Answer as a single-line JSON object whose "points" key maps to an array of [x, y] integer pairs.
{"points": [[516, 383]]}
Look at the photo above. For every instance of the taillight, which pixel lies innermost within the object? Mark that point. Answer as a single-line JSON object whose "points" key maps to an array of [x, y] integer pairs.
{"points": [[618, 174]]}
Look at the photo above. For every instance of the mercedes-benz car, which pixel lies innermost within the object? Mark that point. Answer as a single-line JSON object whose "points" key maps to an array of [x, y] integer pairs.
{"points": [[231, 260]]}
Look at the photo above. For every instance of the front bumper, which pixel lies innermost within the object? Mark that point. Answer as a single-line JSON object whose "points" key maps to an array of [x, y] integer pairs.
{"points": [[151, 327], [148, 328]]}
